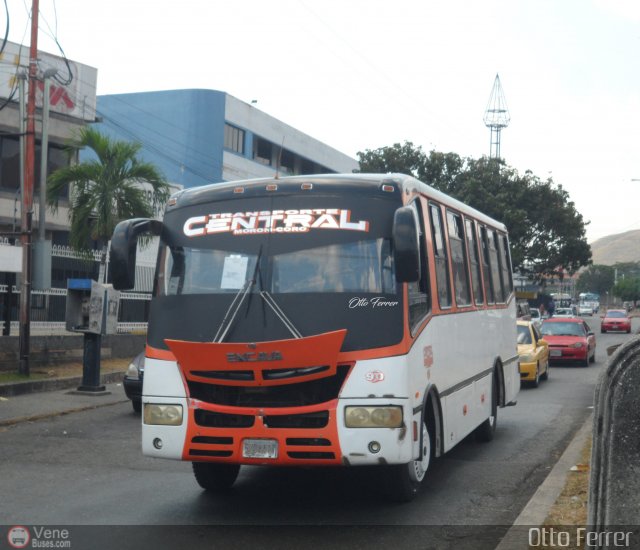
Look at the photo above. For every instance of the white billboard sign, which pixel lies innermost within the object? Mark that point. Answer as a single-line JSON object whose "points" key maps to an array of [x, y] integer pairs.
{"points": [[73, 90]]}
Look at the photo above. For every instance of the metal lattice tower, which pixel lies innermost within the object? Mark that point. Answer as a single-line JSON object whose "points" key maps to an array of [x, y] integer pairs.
{"points": [[496, 117]]}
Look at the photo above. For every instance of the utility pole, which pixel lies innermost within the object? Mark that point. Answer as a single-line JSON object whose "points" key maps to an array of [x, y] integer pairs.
{"points": [[27, 197]]}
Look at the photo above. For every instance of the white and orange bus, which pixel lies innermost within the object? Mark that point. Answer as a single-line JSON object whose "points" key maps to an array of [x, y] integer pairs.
{"points": [[338, 320]]}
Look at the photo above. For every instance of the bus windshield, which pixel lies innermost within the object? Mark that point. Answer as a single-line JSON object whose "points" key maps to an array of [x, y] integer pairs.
{"points": [[326, 267], [361, 266]]}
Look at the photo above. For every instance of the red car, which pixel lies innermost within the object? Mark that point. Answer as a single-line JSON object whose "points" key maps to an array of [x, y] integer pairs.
{"points": [[570, 340], [616, 319]]}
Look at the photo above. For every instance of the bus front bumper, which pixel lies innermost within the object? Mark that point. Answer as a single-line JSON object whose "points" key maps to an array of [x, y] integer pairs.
{"points": [[311, 435]]}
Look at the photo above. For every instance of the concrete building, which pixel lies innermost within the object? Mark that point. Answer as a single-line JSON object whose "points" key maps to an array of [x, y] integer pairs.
{"points": [[72, 105], [198, 137]]}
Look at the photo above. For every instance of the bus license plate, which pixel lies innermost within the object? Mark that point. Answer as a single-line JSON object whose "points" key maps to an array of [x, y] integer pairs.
{"points": [[260, 448], [556, 353]]}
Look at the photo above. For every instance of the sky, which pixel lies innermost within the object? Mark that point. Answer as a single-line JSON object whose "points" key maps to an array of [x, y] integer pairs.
{"points": [[365, 74]]}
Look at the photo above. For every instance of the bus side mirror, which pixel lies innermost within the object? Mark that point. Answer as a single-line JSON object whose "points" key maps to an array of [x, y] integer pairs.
{"points": [[406, 251], [122, 263]]}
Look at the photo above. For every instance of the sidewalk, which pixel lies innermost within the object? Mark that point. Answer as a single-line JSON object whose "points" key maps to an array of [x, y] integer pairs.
{"points": [[28, 400]]}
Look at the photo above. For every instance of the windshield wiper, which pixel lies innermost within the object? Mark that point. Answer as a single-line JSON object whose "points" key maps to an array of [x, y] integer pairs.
{"points": [[232, 311], [236, 303], [280, 314], [239, 299]]}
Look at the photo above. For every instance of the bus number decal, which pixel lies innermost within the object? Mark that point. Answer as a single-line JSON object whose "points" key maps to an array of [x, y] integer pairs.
{"points": [[374, 376]]}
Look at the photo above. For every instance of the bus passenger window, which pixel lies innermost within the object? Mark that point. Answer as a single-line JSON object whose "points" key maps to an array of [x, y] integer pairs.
{"points": [[459, 261], [418, 292], [506, 263], [496, 271], [441, 260], [474, 259], [486, 267]]}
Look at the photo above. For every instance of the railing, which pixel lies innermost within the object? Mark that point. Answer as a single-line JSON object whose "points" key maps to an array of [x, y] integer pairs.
{"points": [[48, 306], [38, 328]]}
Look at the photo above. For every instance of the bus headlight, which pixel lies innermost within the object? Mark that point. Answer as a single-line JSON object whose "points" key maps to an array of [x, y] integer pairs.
{"points": [[373, 417], [163, 415]]}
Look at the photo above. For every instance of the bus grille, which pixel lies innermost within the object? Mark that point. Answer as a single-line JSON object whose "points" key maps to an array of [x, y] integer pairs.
{"points": [[210, 419], [287, 395]]}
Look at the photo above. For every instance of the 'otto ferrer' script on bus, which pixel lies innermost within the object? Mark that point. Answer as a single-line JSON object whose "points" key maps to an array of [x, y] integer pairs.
{"points": [[276, 221]]}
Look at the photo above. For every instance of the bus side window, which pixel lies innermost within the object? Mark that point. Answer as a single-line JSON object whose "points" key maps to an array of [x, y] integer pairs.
{"points": [[459, 260], [440, 255], [494, 260], [506, 263], [419, 290], [476, 278], [486, 267]]}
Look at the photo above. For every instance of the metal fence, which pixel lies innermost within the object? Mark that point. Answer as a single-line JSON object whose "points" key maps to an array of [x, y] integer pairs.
{"points": [[48, 306]]}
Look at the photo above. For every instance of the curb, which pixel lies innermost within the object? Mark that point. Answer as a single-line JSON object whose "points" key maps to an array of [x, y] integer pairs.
{"points": [[33, 418], [20, 388], [537, 509]]}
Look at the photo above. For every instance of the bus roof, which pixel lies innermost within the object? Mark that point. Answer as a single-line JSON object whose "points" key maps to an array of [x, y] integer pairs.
{"points": [[343, 183]]}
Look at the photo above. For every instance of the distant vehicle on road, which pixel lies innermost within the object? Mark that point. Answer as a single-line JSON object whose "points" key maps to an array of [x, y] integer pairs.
{"points": [[564, 312], [132, 381], [570, 340], [536, 316], [533, 354], [616, 319], [585, 309]]}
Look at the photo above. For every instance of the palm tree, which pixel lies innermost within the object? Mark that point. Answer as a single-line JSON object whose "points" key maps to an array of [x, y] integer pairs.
{"points": [[105, 190]]}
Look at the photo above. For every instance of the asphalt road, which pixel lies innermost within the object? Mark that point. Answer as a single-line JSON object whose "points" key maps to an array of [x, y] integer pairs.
{"points": [[86, 469]]}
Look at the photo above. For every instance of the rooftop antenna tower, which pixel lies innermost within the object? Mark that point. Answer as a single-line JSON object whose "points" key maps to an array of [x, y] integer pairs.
{"points": [[496, 117]]}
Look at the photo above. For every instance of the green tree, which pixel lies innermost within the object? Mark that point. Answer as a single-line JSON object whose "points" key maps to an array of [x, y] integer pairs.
{"points": [[106, 189], [596, 278], [546, 232], [628, 289], [398, 158]]}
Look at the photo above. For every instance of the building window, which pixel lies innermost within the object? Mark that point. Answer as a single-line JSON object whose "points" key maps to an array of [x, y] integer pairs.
{"points": [[262, 151], [308, 167], [9, 163], [233, 139], [287, 162]]}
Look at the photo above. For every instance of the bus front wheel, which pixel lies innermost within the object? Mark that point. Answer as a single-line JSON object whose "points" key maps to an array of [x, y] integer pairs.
{"points": [[215, 477], [404, 480]]}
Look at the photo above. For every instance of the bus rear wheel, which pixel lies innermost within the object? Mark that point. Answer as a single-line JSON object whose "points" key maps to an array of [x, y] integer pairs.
{"points": [[487, 429], [215, 477], [404, 480]]}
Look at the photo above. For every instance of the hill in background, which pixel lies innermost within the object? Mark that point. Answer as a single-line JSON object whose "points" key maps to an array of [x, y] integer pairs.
{"points": [[623, 247]]}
